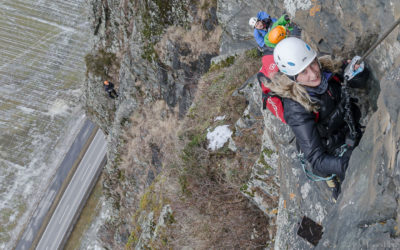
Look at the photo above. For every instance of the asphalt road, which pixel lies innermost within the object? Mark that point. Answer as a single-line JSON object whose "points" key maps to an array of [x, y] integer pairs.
{"points": [[43, 208], [75, 195]]}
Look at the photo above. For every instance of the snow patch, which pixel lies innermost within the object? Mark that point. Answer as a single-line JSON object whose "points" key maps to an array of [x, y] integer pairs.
{"points": [[219, 118], [293, 5], [305, 189], [218, 137]]}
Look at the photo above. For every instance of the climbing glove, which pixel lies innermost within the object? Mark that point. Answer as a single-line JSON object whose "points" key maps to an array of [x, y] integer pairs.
{"points": [[350, 71]]}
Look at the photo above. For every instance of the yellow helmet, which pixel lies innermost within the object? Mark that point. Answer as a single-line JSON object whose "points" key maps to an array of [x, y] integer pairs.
{"points": [[277, 34]]}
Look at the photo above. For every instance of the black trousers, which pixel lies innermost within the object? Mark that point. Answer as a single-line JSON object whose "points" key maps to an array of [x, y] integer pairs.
{"points": [[112, 94]]}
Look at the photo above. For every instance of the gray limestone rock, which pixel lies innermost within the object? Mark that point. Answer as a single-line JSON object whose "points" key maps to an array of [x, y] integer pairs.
{"points": [[365, 215], [368, 208]]}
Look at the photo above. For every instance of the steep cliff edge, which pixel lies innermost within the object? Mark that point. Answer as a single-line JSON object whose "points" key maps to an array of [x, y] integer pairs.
{"points": [[166, 188], [366, 213]]}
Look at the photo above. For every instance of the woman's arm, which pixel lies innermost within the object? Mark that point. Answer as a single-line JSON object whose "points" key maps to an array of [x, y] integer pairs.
{"points": [[307, 136], [360, 80]]}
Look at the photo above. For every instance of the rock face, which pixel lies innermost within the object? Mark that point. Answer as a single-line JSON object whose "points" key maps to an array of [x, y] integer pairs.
{"points": [[368, 209], [155, 51], [150, 50], [365, 215]]}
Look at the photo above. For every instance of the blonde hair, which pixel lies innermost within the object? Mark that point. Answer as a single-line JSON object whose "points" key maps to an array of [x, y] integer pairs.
{"points": [[330, 64], [284, 87]]}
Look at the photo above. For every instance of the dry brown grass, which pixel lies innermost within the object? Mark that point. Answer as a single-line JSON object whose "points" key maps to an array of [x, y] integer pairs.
{"points": [[210, 211], [217, 216], [153, 127], [155, 124], [203, 187]]}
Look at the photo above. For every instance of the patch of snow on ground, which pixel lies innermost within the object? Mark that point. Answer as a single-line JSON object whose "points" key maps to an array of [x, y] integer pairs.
{"points": [[218, 137], [219, 118]]}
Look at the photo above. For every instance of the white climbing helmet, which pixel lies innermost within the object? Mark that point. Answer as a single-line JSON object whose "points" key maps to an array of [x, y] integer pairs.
{"points": [[292, 55], [253, 21]]}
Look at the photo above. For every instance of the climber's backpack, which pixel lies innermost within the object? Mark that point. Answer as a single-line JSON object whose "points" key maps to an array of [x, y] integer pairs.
{"points": [[270, 101]]}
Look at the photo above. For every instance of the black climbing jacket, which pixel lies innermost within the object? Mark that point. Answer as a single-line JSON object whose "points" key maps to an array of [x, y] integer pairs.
{"points": [[109, 87], [319, 140]]}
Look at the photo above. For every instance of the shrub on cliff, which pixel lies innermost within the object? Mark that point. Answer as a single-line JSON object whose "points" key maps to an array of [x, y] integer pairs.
{"points": [[100, 63]]}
